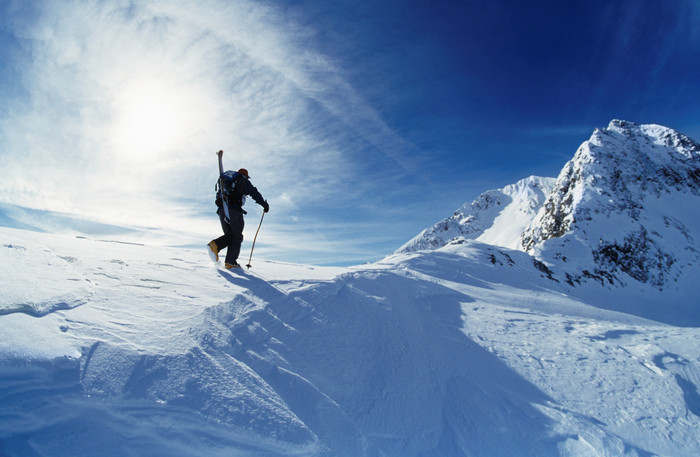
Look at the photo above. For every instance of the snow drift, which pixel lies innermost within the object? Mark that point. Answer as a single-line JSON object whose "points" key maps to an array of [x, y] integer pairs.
{"points": [[461, 348]]}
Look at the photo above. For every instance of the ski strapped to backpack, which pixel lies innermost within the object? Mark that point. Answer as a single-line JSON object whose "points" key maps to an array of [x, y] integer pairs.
{"points": [[226, 188], [221, 192]]}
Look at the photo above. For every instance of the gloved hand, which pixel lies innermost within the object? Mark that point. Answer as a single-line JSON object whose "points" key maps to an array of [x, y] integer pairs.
{"points": [[266, 207]]}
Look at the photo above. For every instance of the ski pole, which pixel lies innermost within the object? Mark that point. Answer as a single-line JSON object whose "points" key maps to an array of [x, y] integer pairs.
{"points": [[256, 237]]}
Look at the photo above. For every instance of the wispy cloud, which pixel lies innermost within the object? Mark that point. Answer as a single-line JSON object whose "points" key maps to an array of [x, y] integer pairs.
{"points": [[123, 105]]}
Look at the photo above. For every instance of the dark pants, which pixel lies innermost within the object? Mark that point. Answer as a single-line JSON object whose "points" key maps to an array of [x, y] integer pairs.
{"points": [[233, 233]]}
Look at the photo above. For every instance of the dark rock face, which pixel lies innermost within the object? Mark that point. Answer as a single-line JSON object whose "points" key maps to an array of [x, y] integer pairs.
{"points": [[638, 256]]}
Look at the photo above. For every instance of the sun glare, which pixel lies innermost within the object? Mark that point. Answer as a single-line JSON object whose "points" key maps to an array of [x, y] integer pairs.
{"points": [[151, 118]]}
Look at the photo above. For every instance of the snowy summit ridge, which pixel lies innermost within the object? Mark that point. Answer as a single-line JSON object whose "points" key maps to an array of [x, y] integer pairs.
{"points": [[625, 208], [495, 217]]}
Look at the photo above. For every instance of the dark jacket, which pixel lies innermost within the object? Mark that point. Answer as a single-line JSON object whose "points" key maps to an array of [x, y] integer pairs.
{"points": [[242, 188]]}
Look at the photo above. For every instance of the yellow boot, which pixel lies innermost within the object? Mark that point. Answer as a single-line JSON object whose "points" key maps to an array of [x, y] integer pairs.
{"points": [[213, 251]]}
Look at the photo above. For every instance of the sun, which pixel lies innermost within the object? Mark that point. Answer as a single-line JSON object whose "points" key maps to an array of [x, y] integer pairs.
{"points": [[151, 118]]}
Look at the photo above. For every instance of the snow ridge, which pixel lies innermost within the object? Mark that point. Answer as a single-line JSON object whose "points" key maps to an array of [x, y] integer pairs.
{"points": [[496, 217], [470, 349]]}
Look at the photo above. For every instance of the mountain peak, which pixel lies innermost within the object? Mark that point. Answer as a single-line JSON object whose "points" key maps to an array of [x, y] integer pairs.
{"points": [[625, 207], [674, 145], [495, 217]]}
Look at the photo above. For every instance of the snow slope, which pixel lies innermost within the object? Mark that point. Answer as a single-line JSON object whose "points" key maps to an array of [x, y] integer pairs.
{"points": [[496, 217], [549, 318], [116, 349]]}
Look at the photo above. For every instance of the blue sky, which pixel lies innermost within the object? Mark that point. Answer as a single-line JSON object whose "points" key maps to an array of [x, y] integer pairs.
{"points": [[361, 122]]}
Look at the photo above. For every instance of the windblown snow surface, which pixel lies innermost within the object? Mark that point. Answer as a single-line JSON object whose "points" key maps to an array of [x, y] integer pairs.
{"points": [[464, 349]]}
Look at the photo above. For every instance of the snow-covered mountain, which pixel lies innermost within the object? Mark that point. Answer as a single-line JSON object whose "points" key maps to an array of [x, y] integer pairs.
{"points": [[625, 209], [496, 217], [459, 345]]}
